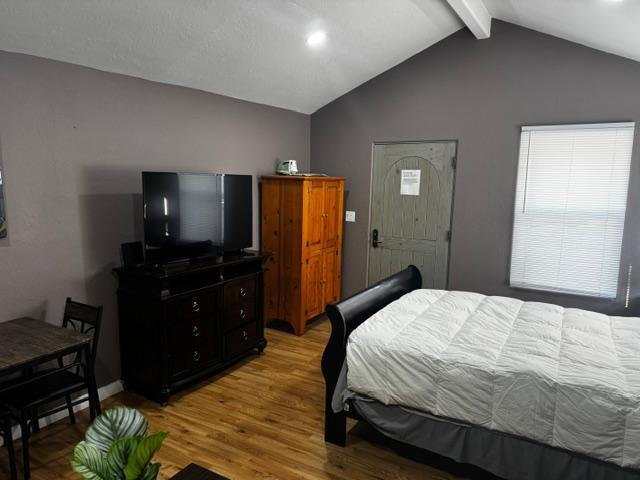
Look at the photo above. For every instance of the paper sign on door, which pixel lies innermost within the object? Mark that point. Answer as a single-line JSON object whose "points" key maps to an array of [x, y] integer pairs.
{"points": [[410, 182]]}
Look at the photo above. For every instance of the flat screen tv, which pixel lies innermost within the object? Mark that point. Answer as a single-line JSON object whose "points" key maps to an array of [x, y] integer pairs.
{"points": [[191, 215]]}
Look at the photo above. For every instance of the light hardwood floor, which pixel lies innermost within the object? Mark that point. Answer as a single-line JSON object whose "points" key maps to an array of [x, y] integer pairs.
{"points": [[260, 420]]}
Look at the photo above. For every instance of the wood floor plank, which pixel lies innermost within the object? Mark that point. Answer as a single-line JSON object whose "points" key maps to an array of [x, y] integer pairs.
{"points": [[262, 419]]}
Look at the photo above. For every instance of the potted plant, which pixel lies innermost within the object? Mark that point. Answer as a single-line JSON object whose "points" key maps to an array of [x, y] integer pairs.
{"points": [[117, 446]]}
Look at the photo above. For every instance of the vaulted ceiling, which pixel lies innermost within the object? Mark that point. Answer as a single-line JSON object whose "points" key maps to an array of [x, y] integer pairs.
{"points": [[256, 49], [609, 25]]}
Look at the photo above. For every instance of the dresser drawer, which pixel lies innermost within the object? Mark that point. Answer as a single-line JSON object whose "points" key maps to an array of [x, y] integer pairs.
{"points": [[191, 343], [240, 340], [236, 315], [240, 290], [192, 305]]}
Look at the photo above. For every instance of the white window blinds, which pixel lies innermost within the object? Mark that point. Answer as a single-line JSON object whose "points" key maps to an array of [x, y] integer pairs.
{"points": [[571, 197]]}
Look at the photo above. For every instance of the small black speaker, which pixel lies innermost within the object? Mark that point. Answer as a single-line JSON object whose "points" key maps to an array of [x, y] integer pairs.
{"points": [[132, 254]]}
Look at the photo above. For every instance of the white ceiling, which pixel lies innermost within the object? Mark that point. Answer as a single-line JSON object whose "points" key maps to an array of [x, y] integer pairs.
{"points": [[609, 25], [256, 50], [250, 49]]}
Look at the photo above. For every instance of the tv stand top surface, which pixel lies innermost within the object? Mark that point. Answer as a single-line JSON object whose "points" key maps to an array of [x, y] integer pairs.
{"points": [[188, 267]]}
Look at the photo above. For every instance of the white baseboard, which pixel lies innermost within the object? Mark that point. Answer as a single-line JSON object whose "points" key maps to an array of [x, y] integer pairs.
{"points": [[103, 392]]}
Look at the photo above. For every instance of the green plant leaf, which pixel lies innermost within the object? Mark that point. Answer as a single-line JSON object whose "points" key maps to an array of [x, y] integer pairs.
{"points": [[114, 424], [89, 462], [118, 455], [143, 454], [151, 472]]}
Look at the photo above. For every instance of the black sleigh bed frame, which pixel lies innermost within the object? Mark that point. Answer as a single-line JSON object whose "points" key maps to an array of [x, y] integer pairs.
{"points": [[501, 454], [345, 317]]}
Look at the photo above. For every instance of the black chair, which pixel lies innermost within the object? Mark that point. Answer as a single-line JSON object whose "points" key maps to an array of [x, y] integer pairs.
{"points": [[7, 438], [28, 395]]}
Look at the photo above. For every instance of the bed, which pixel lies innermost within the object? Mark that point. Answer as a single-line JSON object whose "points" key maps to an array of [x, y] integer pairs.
{"points": [[524, 390]]}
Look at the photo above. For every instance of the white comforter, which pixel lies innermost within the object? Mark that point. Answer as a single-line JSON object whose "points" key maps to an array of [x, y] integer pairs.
{"points": [[565, 377]]}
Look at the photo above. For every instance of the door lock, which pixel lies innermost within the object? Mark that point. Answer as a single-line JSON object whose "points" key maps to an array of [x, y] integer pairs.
{"points": [[374, 238]]}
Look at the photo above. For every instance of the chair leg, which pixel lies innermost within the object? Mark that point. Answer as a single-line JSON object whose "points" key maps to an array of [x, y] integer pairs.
{"points": [[94, 398], [72, 416], [98, 406], [92, 407], [24, 428], [35, 421], [8, 442]]}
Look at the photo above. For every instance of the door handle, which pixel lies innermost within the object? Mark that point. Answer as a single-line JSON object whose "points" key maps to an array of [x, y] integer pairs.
{"points": [[374, 238]]}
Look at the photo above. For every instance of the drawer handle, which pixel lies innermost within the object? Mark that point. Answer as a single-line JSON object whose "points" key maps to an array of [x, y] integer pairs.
{"points": [[196, 331], [195, 306], [196, 356], [243, 292], [245, 335], [243, 314]]}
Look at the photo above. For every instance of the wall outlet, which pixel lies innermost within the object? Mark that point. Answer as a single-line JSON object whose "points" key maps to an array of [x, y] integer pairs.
{"points": [[350, 216]]}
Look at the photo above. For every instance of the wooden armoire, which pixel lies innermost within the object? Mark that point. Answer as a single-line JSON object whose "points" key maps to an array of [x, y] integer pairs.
{"points": [[302, 228]]}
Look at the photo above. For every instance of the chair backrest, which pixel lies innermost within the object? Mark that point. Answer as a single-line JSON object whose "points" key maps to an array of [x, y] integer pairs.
{"points": [[85, 319]]}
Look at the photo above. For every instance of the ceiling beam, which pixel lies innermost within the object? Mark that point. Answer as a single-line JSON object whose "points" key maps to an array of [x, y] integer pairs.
{"points": [[475, 16]]}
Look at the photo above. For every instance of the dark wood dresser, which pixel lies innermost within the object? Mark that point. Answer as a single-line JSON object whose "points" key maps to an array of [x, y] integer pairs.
{"points": [[181, 323]]}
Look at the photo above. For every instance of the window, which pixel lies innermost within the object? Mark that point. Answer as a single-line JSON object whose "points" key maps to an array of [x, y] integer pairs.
{"points": [[3, 222], [571, 198]]}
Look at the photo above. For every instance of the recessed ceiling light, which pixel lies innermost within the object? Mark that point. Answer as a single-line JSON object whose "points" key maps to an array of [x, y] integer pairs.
{"points": [[316, 39]]}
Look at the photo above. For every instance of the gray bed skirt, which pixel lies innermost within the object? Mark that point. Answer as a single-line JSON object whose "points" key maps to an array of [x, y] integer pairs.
{"points": [[501, 454]]}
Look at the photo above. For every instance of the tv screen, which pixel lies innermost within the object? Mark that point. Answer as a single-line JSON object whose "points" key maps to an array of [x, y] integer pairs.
{"points": [[191, 214]]}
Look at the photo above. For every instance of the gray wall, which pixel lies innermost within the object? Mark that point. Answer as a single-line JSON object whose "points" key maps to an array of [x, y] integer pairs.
{"points": [[73, 142], [479, 92]]}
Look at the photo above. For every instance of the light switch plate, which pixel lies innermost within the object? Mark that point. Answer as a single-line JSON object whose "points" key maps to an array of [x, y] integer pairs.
{"points": [[350, 216]]}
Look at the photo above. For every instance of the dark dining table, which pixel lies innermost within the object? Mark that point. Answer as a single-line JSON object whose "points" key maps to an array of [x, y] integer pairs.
{"points": [[26, 343]]}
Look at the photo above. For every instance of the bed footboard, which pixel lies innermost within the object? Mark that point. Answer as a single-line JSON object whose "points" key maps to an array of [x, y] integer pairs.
{"points": [[345, 317]]}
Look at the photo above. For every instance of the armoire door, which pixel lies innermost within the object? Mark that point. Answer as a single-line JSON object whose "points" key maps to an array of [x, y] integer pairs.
{"points": [[330, 276], [314, 215], [332, 213], [292, 250], [314, 301]]}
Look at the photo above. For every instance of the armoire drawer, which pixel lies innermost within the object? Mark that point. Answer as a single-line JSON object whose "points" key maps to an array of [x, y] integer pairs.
{"points": [[240, 340], [236, 315], [239, 291]]}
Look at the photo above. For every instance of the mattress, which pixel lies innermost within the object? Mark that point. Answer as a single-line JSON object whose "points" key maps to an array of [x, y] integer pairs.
{"points": [[565, 377]]}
